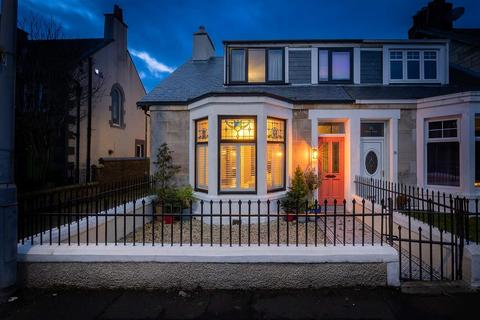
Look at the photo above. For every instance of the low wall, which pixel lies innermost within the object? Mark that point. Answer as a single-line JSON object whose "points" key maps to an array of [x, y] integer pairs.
{"points": [[112, 170], [207, 267]]}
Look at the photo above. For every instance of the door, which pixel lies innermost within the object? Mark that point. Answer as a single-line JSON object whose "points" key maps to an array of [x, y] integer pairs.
{"points": [[331, 169], [372, 160]]}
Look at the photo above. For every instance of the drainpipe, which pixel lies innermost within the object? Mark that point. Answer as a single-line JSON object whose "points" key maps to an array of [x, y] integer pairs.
{"points": [[77, 136], [8, 191], [89, 118], [146, 141]]}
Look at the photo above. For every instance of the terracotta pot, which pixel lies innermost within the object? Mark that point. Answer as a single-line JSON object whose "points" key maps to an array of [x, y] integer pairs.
{"points": [[290, 217], [168, 219]]}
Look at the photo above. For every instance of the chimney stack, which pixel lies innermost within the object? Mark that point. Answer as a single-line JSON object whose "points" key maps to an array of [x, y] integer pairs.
{"points": [[115, 29], [203, 48]]}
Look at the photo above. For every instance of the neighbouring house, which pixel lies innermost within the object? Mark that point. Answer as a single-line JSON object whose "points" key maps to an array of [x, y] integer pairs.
{"points": [[239, 124], [435, 21], [96, 74]]}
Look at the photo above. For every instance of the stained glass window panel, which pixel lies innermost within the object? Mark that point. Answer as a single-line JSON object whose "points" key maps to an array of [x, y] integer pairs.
{"points": [[238, 129], [202, 130], [275, 130]]}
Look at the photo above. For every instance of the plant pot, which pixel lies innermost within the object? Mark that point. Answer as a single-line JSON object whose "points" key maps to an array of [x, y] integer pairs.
{"points": [[290, 217], [168, 219]]}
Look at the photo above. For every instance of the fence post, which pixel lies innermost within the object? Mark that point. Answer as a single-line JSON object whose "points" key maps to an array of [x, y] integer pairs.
{"points": [[390, 221], [460, 231]]}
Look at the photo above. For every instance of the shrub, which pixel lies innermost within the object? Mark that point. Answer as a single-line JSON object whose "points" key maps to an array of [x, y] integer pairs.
{"points": [[297, 193]]}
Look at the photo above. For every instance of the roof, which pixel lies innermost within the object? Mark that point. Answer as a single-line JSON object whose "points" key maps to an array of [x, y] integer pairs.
{"points": [[465, 35], [196, 80], [336, 41], [73, 50]]}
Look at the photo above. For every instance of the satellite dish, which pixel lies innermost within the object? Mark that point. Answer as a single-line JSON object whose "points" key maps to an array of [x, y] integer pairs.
{"points": [[455, 13]]}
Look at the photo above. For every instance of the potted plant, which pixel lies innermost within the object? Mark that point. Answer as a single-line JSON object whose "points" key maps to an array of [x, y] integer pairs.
{"points": [[184, 196], [164, 176], [296, 195]]}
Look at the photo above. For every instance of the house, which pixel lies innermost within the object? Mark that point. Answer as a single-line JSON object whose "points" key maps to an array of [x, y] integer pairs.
{"points": [[101, 123], [239, 124]]}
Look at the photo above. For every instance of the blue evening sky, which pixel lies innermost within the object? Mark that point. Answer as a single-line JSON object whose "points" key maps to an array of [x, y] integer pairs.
{"points": [[160, 32]]}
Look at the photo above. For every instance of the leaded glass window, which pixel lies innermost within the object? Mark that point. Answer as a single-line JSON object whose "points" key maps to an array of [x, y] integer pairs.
{"points": [[201, 155], [275, 154]]}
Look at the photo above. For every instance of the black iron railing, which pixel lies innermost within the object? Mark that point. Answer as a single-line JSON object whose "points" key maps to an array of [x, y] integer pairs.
{"points": [[230, 223]]}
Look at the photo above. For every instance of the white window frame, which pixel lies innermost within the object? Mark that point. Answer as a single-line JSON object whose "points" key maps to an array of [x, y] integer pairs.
{"points": [[421, 60], [448, 139], [197, 186]]}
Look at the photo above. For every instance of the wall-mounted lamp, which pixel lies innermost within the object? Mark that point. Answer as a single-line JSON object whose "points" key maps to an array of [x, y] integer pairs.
{"points": [[314, 153]]}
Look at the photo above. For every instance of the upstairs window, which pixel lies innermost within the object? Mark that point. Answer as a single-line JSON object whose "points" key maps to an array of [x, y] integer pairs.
{"points": [[237, 63], [413, 65], [256, 65], [335, 65], [396, 65], [443, 153]]}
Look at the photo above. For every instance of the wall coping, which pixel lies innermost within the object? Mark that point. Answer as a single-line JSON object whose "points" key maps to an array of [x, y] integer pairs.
{"points": [[214, 254]]}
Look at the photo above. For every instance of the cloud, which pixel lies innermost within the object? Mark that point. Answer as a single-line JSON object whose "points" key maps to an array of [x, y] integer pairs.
{"points": [[76, 7], [153, 65], [142, 74]]}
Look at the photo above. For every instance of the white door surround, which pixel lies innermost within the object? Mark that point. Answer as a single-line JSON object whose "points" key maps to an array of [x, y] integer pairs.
{"points": [[352, 119]]}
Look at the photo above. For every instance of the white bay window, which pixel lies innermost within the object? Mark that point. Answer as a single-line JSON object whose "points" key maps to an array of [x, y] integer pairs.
{"points": [[275, 154], [201, 155]]}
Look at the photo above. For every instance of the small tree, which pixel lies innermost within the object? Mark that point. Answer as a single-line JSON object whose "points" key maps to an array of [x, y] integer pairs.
{"points": [[312, 181], [297, 193], [166, 171]]}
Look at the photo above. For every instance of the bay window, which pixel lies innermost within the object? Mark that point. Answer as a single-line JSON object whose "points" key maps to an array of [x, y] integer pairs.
{"points": [[201, 154], [256, 65], [275, 154], [477, 150], [237, 154], [443, 153]]}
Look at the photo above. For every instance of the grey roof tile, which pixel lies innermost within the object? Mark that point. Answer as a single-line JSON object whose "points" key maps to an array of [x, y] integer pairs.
{"points": [[196, 80]]}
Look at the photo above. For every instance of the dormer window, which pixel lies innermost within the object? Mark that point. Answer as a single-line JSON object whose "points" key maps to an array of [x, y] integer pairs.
{"points": [[256, 65], [335, 65], [413, 65]]}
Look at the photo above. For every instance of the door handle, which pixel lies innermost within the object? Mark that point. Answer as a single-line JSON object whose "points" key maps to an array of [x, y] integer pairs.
{"points": [[330, 176]]}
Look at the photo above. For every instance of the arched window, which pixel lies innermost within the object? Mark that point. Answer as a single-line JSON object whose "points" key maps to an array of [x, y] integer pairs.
{"points": [[117, 106]]}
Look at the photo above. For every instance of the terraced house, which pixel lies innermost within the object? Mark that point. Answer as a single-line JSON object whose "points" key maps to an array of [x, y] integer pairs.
{"points": [[239, 124]]}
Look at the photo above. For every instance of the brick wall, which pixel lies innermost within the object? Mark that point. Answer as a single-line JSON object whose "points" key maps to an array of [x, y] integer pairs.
{"points": [[118, 169]]}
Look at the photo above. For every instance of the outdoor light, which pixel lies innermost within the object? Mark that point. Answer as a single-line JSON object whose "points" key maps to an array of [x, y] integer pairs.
{"points": [[97, 72], [314, 153]]}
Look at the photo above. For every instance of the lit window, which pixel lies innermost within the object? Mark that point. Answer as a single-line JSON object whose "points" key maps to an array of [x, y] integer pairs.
{"points": [[139, 148], [340, 65], [275, 65], [201, 154], [430, 64], [443, 153], [413, 65], [117, 106], [331, 128], [237, 154], [256, 65], [323, 65], [477, 150], [396, 65], [237, 65], [275, 154]]}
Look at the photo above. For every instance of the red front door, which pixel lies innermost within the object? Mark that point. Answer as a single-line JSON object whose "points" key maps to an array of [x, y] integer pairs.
{"points": [[331, 169]]}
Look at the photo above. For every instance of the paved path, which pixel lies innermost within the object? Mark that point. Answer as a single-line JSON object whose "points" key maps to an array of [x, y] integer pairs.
{"points": [[346, 303]]}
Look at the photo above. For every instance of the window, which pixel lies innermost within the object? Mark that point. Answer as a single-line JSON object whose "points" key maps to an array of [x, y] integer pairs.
{"points": [[477, 150], [340, 65], [237, 154], [117, 106], [275, 154], [430, 64], [413, 65], [335, 65], [396, 65], [275, 65], [323, 65], [443, 153], [201, 155], [139, 148], [256, 65], [331, 128], [372, 129], [237, 63]]}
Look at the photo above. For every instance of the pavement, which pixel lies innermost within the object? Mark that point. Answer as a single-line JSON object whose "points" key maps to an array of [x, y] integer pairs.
{"points": [[328, 303]]}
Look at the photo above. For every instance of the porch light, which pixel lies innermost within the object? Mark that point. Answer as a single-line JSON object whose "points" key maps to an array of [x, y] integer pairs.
{"points": [[314, 153]]}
